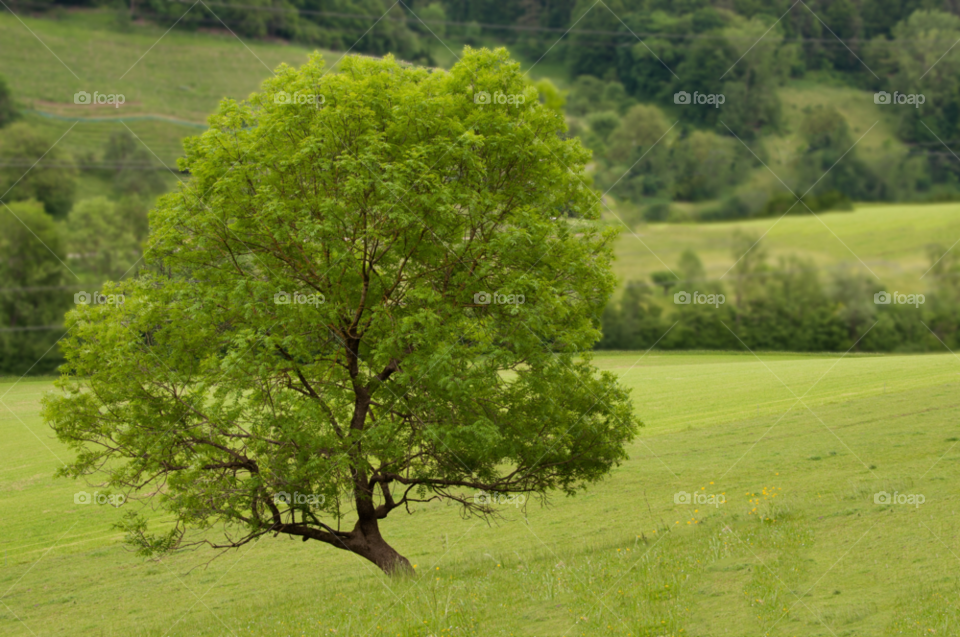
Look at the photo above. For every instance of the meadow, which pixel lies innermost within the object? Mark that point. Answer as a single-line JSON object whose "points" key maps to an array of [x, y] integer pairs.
{"points": [[795, 446], [168, 93], [890, 239]]}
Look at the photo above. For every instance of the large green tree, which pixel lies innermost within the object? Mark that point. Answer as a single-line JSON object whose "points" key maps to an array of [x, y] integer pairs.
{"points": [[365, 301]]}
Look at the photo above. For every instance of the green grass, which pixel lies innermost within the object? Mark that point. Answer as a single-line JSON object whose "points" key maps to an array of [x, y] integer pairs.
{"points": [[183, 76], [799, 548], [890, 240]]}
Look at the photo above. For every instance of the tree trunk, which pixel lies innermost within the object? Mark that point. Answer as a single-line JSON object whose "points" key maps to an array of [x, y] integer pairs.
{"points": [[369, 544]]}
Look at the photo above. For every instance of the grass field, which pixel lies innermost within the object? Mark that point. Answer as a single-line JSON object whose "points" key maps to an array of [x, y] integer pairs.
{"points": [[797, 445], [183, 76], [889, 240]]}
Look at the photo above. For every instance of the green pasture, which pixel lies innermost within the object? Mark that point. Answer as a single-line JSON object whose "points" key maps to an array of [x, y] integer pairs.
{"points": [[797, 445], [889, 240], [179, 76]]}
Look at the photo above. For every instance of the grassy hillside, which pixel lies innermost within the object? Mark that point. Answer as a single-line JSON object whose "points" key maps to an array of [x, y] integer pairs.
{"points": [[182, 77], [890, 240], [799, 548]]}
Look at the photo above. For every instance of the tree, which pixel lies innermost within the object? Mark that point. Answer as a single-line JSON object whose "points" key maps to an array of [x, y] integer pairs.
{"points": [[102, 243], [130, 167], [33, 300], [8, 109], [50, 180], [691, 267], [828, 140], [665, 279], [749, 264], [355, 305]]}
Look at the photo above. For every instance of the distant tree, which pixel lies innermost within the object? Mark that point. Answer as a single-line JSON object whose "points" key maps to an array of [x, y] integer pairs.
{"points": [[920, 66], [634, 322], [750, 258], [828, 138], [33, 300], [691, 267], [101, 243], [355, 306], [664, 279], [8, 109], [50, 180], [130, 166], [703, 164], [853, 292], [637, 146]]}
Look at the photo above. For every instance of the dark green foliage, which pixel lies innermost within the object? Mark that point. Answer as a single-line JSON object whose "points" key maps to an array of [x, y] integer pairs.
{"points": [[8, 109], [664, 279], [787, 307], [33, 295], [52, 181], [130, 166], [828, 138], [787, 203]]}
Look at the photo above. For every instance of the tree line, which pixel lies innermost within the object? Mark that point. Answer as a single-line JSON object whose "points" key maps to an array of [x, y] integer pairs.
{"points": [[786, 306]]}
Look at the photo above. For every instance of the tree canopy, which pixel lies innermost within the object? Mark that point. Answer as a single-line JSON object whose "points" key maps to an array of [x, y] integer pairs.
{"points": [[378, 288]]}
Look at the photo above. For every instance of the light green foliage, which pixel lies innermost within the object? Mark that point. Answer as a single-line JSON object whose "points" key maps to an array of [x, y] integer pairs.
{"points": [[101, 242], [550, 96], [690, 267], [391, 206]]}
